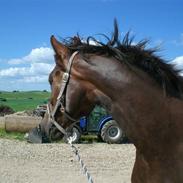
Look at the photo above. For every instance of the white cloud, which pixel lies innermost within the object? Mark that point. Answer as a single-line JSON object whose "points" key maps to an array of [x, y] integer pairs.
{"points": [[42, 54], [178, 63], [13, 71], [34, 79], [34, 69], [28, 72], [91, 42], [41, 68]]}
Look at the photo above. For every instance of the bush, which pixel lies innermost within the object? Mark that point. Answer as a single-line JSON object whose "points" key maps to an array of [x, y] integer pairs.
{"points": [[45, 101], [4, 110], [3, 99]]}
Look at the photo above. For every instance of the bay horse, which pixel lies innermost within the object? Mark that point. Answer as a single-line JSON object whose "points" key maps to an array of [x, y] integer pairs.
{"points": [[138, 88]]}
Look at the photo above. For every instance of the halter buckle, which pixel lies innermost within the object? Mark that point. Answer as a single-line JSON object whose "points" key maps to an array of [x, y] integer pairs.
{"points": [[65, 77]]}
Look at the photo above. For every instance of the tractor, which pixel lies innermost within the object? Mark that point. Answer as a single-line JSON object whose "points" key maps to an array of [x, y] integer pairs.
{"points": [[99, 123]]}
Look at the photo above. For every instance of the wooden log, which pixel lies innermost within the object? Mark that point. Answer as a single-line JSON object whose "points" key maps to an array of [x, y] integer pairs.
{"points": [[2, 123], [21, 123]]}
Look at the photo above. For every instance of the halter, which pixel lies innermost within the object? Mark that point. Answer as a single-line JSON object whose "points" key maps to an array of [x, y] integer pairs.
{"points": [[60, 98]]}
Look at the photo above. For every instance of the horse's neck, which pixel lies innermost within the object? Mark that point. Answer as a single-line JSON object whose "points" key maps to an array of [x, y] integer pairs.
{"points": [[137, 103], [105, 74]]}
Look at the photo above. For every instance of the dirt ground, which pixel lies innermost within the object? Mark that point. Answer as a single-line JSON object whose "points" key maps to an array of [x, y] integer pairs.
{"points": [[21, 162]]}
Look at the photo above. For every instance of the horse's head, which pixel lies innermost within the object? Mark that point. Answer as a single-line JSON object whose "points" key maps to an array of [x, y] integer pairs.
{"points": [[71, 95]]}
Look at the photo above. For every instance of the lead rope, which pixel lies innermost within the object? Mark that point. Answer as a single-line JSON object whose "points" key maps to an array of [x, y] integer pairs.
{"points": [[83, 166], [74, 148]]}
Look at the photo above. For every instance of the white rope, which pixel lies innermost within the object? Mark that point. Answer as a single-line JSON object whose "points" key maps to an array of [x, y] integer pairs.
{"points": [[83, 166]]}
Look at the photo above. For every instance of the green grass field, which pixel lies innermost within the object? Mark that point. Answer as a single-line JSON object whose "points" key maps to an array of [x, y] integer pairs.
{"points": [[11, 135], [20, 101]]}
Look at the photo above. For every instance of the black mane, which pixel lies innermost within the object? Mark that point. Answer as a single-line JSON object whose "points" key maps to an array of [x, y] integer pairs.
{"points": [[133, 54]]}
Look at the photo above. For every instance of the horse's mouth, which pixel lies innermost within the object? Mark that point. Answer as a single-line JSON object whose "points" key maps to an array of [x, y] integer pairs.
{"points": [[35, 136]]}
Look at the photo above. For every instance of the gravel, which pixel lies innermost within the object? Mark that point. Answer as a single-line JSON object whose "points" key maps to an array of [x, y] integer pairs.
{"points": [[21, 162]]}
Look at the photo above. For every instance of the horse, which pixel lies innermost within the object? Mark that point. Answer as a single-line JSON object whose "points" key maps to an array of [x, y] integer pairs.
{"points": [[141, 90]]}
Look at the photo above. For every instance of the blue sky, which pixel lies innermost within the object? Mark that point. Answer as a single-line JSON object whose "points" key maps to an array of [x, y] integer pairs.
{"points": [[26, 57]]}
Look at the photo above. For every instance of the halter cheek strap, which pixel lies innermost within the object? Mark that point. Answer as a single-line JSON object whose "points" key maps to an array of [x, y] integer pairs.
{"points": [[66, 75], [64, 83]]}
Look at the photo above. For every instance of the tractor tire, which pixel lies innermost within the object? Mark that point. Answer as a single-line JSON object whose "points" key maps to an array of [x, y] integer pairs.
{"points": [[112, 133], [75, 136]]}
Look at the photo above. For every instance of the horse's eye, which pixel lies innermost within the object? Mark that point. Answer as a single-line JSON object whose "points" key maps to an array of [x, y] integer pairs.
{"points": [[57, 73]]}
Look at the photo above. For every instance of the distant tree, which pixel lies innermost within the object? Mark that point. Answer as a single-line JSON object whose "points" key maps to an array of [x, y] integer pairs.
{"points": [[45, 91]]}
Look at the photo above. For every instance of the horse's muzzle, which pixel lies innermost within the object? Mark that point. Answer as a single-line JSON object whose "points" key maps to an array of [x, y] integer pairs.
{"points": [[36, 136]]}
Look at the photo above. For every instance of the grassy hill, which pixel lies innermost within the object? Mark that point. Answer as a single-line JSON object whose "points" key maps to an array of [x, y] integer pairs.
{"points": [[20, 101]]}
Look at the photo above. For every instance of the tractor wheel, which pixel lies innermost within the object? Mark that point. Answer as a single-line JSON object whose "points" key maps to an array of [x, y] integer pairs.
{"points": [[75, 136], [112, 133]]}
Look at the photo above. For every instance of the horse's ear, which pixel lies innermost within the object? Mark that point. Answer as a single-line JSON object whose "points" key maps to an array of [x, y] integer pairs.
{"points": [[59, 48]]}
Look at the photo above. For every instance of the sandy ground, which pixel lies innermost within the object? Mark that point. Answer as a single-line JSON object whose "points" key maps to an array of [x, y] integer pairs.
{"points": [[21, 162]]}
